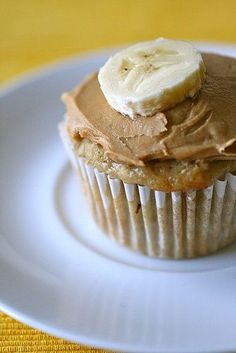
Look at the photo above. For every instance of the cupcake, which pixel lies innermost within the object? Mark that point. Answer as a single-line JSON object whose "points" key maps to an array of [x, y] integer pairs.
{"points": [[152, 136]]}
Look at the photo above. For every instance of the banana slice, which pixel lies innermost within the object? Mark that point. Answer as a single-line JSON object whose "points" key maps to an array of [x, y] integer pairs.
{"points": [[151, 76]]}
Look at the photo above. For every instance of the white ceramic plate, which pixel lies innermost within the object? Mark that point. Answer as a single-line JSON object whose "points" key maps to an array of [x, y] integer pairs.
{"points": [[92, 291]]}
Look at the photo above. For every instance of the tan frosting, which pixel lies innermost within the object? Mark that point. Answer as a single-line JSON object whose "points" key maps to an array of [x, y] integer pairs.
{"points": [[199, 127]]}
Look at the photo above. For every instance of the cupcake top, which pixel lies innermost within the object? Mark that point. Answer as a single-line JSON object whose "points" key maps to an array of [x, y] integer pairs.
{"points": [[191, 118]]}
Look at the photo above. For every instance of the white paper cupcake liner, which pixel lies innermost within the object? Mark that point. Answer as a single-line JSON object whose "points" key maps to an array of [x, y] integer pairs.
{"points": [[159, 224]]}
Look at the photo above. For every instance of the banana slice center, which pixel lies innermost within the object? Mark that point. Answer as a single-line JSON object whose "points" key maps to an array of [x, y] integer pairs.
{"points": [[138, 69]]}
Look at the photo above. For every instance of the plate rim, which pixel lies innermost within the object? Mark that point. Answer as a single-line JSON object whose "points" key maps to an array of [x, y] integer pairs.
{"points": [[31, 323]]}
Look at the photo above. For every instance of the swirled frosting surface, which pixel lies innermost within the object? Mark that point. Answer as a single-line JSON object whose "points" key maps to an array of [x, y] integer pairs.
{"points": [[202, 127]]}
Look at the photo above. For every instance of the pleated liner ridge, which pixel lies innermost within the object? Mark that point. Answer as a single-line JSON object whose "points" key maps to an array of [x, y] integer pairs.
{"points": [[158, 224]]}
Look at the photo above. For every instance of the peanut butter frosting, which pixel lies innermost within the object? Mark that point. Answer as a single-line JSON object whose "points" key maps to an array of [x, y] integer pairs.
{"points": [[202, 127], [162, 175]]}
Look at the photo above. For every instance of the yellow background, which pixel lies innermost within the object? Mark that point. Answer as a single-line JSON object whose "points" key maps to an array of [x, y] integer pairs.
{"points": [[34, 32]]}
